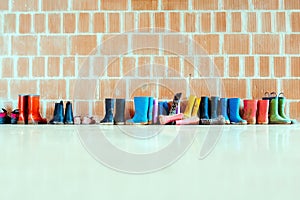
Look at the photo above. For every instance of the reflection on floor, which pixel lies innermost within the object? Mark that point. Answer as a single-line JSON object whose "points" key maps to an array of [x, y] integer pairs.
{"points": [[149, 162]]}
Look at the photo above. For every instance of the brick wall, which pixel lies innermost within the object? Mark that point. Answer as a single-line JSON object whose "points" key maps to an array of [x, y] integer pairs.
{"points": [[254, 46]]}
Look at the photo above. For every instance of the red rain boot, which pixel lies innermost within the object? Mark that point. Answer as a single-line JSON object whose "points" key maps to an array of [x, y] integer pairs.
{"points": [[34, 116], [23, 109], [262, 111], [250, 108]]}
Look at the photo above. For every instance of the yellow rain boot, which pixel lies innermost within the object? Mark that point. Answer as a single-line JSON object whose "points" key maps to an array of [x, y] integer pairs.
{"points": [[196, 107], [188, 110]]}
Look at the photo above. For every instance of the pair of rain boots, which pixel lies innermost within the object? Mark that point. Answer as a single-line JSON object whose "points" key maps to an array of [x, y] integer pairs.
{"points": [[61, 117], [110, 118], [6, 119]]}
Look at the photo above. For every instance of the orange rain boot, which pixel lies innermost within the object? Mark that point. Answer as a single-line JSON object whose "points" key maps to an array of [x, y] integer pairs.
{"points": [[262, 111], [23, 109], [34, 116], [250, 108]]}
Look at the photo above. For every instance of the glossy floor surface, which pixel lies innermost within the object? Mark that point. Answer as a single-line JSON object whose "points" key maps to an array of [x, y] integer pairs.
{"points": [[149, 162]]}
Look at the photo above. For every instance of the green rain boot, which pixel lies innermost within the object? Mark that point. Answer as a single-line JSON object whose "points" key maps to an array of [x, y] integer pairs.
{"points": [[281, 107], [275, 118]]}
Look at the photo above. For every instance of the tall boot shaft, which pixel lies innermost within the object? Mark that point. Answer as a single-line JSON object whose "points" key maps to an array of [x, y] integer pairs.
{"points": [[250, 109], [234, 111], [204, 108], [23, 109], [223, 109], [69, 118], [120, 110], [109, 110], [262, 111], [34, 116], [195, 111], [214, 107], [275, 118], [189, 107]]}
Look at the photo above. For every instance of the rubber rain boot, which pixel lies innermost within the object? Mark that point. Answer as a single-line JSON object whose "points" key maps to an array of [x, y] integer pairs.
{"points": [[250, 109], [234, 111], [23, 109], [34, 116], [275, 118], [175, 104], [166, 119], [223, 109], [4, 118], [150, 110], [141, 105], [189, 107], [195, 111], [120, 110], [109, 110], [58, 114], [281, 108], [14, 116], [262, 112], [69, 118], [204, 110], [214, 107], [155, 111]]}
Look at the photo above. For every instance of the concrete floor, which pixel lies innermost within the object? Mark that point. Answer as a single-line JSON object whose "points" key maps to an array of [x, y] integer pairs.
{"points": [[149, 162]]}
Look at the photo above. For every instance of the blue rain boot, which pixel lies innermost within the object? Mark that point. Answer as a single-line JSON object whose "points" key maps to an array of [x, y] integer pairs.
{"points": [[109, 110], [150, 110], [141, 105], [234, 111], [166, 107], [223, 109], [204, 111]]}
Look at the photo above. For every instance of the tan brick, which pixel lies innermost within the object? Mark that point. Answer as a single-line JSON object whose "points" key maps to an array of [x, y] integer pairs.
{"points": [[295, 18], [159, 20], [236, 22], [292, 44], [113, 88], [114, 5], [280, 22], [174, 4], [69, 23], [174, 67], [69, 66], [53, 45], [264, 66], [81, 108], [4, 5], [295, 66], [236, 4], [205, 4], [265, 44], [25, 23], [24, 45], [4, 45], [85, 5], [266, 4], [205, 22], [144, 67], [83, 44], [279, 66], [291, 4], [23, 67], [144, 4], [38, 67], [22, 87], [49, 5], [260, 86], [10, 23], [99, 23], [114, 22], [98, 108], [113, 68], [209, 42], [174, 20], [286, 86], [190, 20], [53, 66], [234, 66], [78, 89], [159, 66], [249, 66], [200, 87], [54, 21], [3, 89], [294, 110], [144, 21], [39, 23], [7, 67], [234, 88], [219, 66], [266, 22], [168, 87], [25, 5], [252, 25], [236, 44], [188, 68], [142, 87], [83, 22], [128, 66], [145, 44], [220, 22], [53, 89]]}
